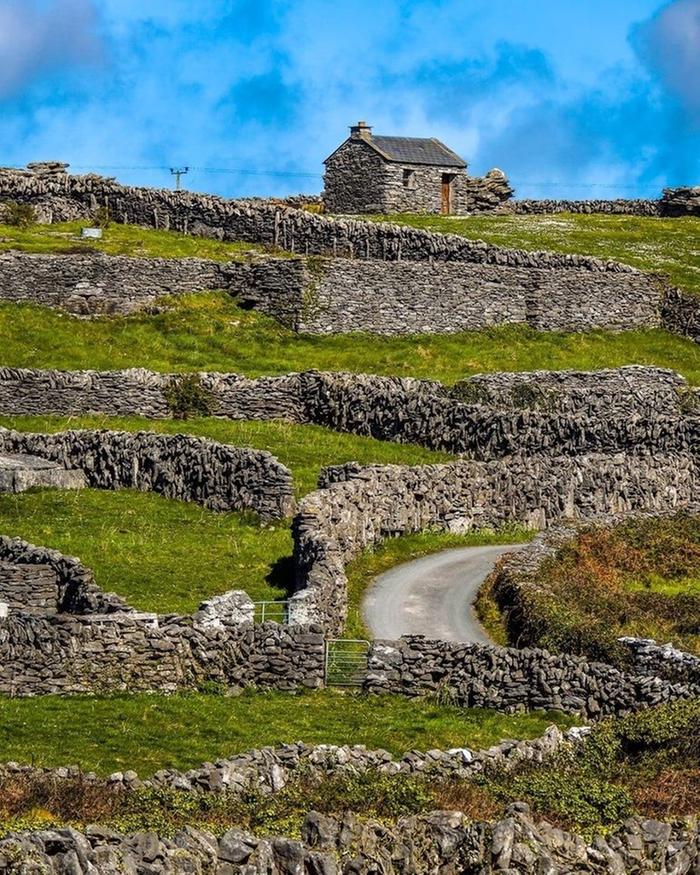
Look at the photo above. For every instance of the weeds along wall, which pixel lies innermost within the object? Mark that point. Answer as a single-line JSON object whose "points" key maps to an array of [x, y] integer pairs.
{"points": [[215, 475], [487, 416], [360, 506]]}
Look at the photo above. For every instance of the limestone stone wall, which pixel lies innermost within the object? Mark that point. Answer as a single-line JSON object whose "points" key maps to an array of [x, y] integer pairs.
{"points": [[325, 295], [62, 196], [345, 295], [510, 679], [439, 841], [125, 651], [215, 475], [360, 506], [680, 313], [91, 283], [487, 416], [620, 206], [44, 581]]}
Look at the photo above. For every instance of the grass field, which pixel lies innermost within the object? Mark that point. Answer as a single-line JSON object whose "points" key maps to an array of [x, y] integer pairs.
{"points": [[147, 732], [159, 554], [119, 240], [210, 332], [304, 449], [670, 246]]}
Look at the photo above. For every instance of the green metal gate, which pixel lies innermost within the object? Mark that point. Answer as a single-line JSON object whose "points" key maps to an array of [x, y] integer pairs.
{"points": [[346, 662]]}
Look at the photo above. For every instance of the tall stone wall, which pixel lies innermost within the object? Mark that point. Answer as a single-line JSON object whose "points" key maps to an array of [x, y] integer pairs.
{"points": [[489, 416], [324, 295], [215, 475], [510, 679], [344, 295], [362, 505]]}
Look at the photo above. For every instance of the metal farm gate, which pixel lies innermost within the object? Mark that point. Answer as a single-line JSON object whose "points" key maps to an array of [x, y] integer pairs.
{"points": [[346, 662]]}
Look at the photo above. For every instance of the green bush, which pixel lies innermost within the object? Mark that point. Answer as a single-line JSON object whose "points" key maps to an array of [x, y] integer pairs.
{"points": [[186, 397], [19, 215]]}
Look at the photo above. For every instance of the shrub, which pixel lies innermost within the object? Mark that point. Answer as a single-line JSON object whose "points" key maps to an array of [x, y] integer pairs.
{"points": [[19, 215], [186, 396], [101, 217]]}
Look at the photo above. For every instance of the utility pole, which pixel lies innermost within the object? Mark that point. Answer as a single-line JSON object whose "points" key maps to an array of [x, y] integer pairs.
{"points": [[178, 172]]}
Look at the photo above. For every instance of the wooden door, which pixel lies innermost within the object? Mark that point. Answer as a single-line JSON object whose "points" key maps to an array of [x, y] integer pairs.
{"points": [[445, 206]]}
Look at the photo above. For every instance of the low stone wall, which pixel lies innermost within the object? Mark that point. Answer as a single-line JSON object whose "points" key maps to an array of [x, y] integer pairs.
{"points": [[269, 769], [511, 679], [215, 475], [618, 206], [60, 196], [44, 581], [92, 283], [441, 841], [664, 661], [488, 416], [133, 652], [680, 314], [360, 506]]}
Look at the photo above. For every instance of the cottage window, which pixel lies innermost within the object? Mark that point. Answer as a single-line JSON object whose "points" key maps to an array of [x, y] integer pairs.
{"points": [[409, 179]]}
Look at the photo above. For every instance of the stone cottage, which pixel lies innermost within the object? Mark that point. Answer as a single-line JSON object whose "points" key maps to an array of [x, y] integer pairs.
{"points": [[373, 174]]}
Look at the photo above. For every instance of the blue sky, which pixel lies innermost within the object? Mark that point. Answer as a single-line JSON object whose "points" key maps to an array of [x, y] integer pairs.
{"points": [[572, 98]]}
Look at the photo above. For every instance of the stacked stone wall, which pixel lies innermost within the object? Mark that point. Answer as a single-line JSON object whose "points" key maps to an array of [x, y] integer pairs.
{"points": [[215, 475], [332, 296], [360, 506], [65, 653], [485, 416], [92, 283], [440, 841], [617, 207], [511, 680]]}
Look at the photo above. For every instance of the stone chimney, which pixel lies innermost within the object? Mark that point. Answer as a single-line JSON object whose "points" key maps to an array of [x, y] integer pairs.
{"points": [[361, 131]]}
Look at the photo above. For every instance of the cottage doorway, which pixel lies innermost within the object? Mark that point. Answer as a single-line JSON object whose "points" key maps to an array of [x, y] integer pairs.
{"points": [[446, 205]]}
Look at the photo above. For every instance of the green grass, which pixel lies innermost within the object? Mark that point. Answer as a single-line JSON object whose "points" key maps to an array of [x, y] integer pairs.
{"points": [[147, 732], [119, 240], [670, 246], [159, 554], [304, 449], [395, 551], [210, 332]]}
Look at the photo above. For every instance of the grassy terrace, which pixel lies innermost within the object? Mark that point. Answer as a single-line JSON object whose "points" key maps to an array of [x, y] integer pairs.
{"points": [[210, 332], [670, 246], [64, 237], [148, 732]]}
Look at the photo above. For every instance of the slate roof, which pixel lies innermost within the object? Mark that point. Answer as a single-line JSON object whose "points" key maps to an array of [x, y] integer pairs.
{"points": [[411, 150], [417, 150]]}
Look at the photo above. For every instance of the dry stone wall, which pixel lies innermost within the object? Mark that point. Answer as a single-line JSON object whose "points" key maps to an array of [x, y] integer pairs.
{"points": [[360, 506], [215, 475], [61, 196], [126, 651], [511, 679], [485, 417], [43, 581], [440, 841], [93, 283], [619, 206]]}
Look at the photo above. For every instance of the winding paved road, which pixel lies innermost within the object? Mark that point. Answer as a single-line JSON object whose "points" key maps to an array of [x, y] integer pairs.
{"points": [[433, 595]]}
